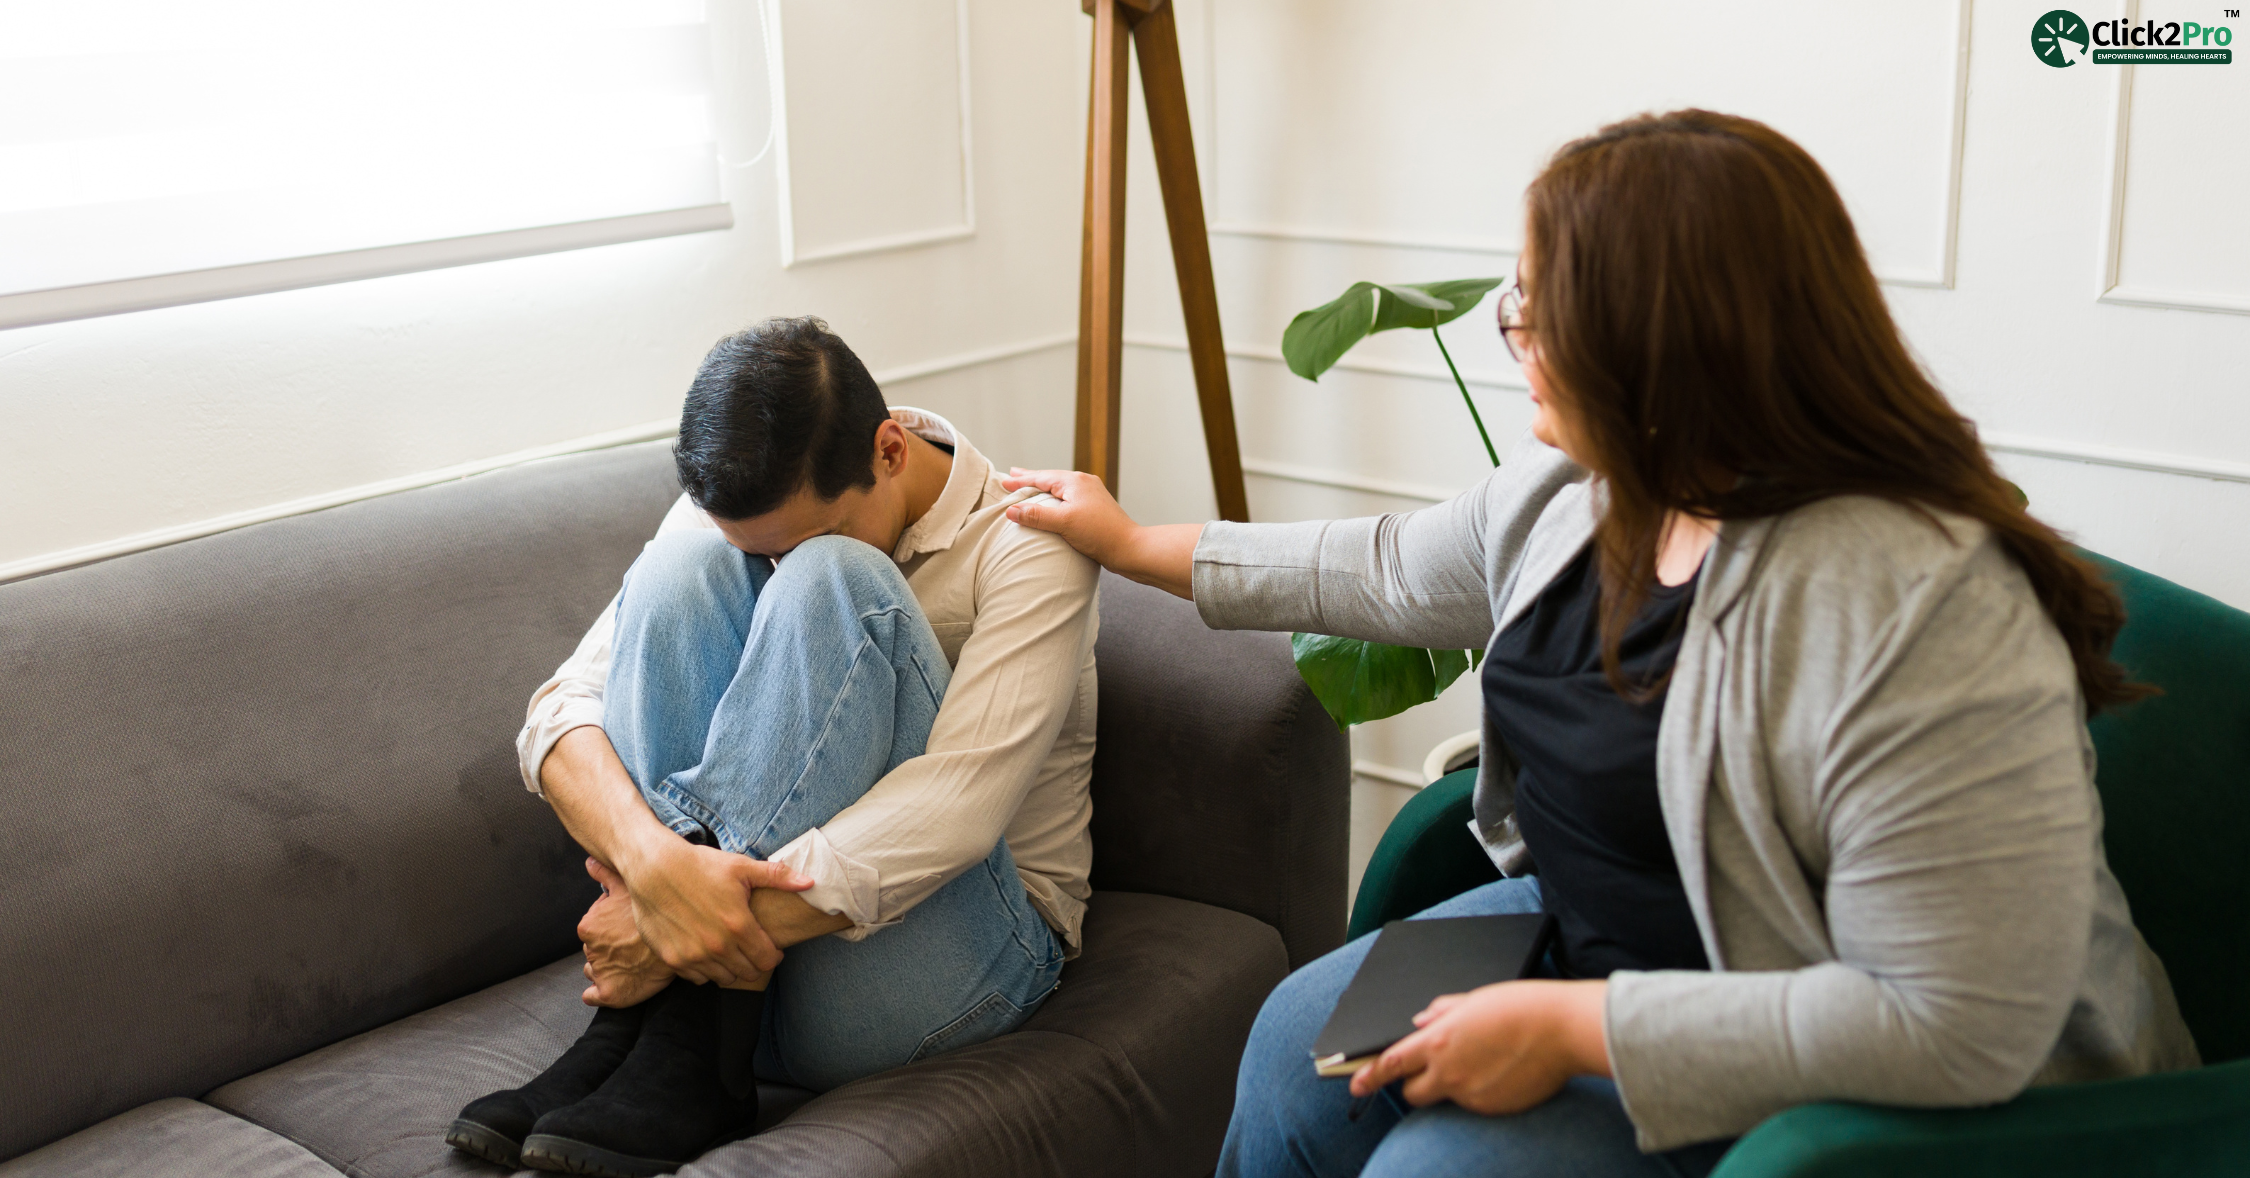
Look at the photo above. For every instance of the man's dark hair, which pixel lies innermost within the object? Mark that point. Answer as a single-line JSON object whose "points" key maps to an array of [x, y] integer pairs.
{"points": [[777, 406]]}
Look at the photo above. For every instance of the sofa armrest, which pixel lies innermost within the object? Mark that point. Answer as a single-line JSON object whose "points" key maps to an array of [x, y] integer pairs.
{"points": [[1218, 778], [2180, 1124]]}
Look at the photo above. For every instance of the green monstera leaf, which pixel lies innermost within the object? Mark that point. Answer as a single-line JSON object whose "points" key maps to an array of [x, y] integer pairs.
{"points": [[1361, 681], [1316, 339]]}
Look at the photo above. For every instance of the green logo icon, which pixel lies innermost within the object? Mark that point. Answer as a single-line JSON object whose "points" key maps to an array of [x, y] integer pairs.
{"points": [[2059, 38]]}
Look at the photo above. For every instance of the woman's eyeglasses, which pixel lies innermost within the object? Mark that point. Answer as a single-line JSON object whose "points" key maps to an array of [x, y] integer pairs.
{"points": [[1513, 323]]}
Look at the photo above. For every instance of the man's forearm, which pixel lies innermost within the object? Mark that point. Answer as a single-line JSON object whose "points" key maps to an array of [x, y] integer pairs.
{"points": [[603, 810], [789, 920], [599, 804]]}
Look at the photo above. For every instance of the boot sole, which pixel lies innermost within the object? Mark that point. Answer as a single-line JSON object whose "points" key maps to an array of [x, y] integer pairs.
{"points": [[545, 1151], [485, 1142]]}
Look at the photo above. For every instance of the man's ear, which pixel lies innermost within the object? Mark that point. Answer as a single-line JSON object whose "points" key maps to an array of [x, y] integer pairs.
{"points": [[890, 448]]}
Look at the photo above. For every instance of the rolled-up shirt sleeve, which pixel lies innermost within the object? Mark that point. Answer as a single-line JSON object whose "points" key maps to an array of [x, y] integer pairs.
{"points": [[572, 697], [1013, 685]]}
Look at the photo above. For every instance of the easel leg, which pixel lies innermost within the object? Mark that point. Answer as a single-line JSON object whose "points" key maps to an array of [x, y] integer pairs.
{"points": [[1165, 89], [1101, 307]]}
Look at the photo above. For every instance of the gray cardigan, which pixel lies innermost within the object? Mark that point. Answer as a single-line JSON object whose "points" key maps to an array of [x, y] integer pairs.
{"points": [[1875, 774]]}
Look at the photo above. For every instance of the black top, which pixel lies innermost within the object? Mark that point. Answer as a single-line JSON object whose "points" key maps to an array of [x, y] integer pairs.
{"points": [[1586, 798]]}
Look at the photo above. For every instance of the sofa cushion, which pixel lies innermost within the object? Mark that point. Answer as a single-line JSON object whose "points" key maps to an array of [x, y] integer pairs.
{"points": [[377, 1105], [1127, 1070], [171, 1138], [262, 791]]}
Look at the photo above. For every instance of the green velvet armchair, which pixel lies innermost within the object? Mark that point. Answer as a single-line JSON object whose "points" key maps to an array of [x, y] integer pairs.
{"points": [[2174, 777]]}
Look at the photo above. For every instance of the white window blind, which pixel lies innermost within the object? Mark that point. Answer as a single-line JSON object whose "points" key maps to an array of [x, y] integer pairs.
{"points": [[154, 152]]}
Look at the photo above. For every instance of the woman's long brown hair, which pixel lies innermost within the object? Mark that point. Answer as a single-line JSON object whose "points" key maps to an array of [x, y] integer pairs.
{"points": [[1701, 304]]}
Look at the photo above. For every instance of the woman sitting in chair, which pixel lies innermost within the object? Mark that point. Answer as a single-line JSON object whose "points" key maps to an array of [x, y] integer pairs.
{"points": [[1785, 701]]}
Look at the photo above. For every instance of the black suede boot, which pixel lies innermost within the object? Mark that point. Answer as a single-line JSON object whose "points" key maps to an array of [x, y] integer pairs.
{"points": [[670, 1100], [493, 1127]]}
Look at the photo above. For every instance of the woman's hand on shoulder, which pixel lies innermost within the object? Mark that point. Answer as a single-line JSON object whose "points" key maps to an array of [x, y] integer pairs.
{"points": [[1497, 1049], [1079, 509], [1083, 512]]}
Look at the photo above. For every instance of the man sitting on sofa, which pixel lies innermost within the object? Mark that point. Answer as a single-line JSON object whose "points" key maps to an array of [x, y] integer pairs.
{"points": [[841, 706]]}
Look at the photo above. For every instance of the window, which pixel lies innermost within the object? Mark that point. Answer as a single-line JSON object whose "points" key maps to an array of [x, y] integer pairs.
{"points": [[154, 152]]}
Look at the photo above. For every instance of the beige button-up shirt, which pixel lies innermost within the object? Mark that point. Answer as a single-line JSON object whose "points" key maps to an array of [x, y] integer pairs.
{"points": [[1012, 750]]}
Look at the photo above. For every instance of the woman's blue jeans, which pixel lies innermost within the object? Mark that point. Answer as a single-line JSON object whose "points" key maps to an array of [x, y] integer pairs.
{"points": [[1289, 1121], [751, 702]]}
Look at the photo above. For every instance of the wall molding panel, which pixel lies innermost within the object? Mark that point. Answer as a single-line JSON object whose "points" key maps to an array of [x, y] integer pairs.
{"points": [[2153, 461], [1388, 774], [960, 360], [2114, 286], [1963, 13], [1939, 273], [1454, 245], [1344, 480], [1476, 377], [793, 164]]}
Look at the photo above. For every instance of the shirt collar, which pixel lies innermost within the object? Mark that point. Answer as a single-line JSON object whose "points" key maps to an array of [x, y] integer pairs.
{"points": [[964, 487]]}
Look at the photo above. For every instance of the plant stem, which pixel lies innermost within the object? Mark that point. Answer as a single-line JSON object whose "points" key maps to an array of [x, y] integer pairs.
{"points": [[1464, 387]]}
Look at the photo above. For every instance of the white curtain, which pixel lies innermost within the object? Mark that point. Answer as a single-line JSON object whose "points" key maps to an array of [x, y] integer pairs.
{"points": [[157, 151]]}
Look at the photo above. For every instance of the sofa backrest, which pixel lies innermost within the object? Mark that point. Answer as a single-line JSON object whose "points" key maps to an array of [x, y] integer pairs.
{"points": [[2174, 775], [261, 788]]}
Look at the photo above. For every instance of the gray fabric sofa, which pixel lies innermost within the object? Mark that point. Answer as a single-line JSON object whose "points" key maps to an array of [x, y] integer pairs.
{"points": [[276, 902]]}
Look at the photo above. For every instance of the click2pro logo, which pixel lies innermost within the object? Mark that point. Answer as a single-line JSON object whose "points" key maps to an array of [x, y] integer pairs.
{"points": [[2060, 39]]}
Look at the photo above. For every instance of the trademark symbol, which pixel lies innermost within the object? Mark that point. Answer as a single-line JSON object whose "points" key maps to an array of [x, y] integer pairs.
{"points": [[2234, 12]]}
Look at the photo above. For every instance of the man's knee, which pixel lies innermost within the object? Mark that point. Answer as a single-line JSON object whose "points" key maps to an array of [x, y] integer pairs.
{"points": [[837, 556], [689, 566], [859, 571]]}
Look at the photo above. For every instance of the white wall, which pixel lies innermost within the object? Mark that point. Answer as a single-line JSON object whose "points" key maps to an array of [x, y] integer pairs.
{"points": [[1341, 139], [1345, 140], [154, 421]]}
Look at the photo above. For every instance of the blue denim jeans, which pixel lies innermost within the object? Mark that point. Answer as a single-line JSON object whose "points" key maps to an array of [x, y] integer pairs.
{"points": [[1289, 1121], [751, 702]]}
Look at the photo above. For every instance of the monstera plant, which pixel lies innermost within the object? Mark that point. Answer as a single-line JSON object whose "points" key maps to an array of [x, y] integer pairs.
{"points": [[1361, 681]]}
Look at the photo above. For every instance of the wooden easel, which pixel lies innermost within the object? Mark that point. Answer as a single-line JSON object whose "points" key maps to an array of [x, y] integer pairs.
{"points": [[1101, 272]]}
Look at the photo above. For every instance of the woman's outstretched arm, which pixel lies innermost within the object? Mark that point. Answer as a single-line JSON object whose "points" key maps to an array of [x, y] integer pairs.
{"points": [[1082, 511], [1417, 578]]}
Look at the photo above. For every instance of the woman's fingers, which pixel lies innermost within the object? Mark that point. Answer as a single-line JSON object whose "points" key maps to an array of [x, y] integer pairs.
{"points": [[1079, 508], [1406, 1057], [1050, 481], [1424, 1089], [1437, 1008]]}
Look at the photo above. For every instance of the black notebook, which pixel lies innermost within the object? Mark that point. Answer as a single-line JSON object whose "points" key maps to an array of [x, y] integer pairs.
{"points": [[1413, 962]]}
